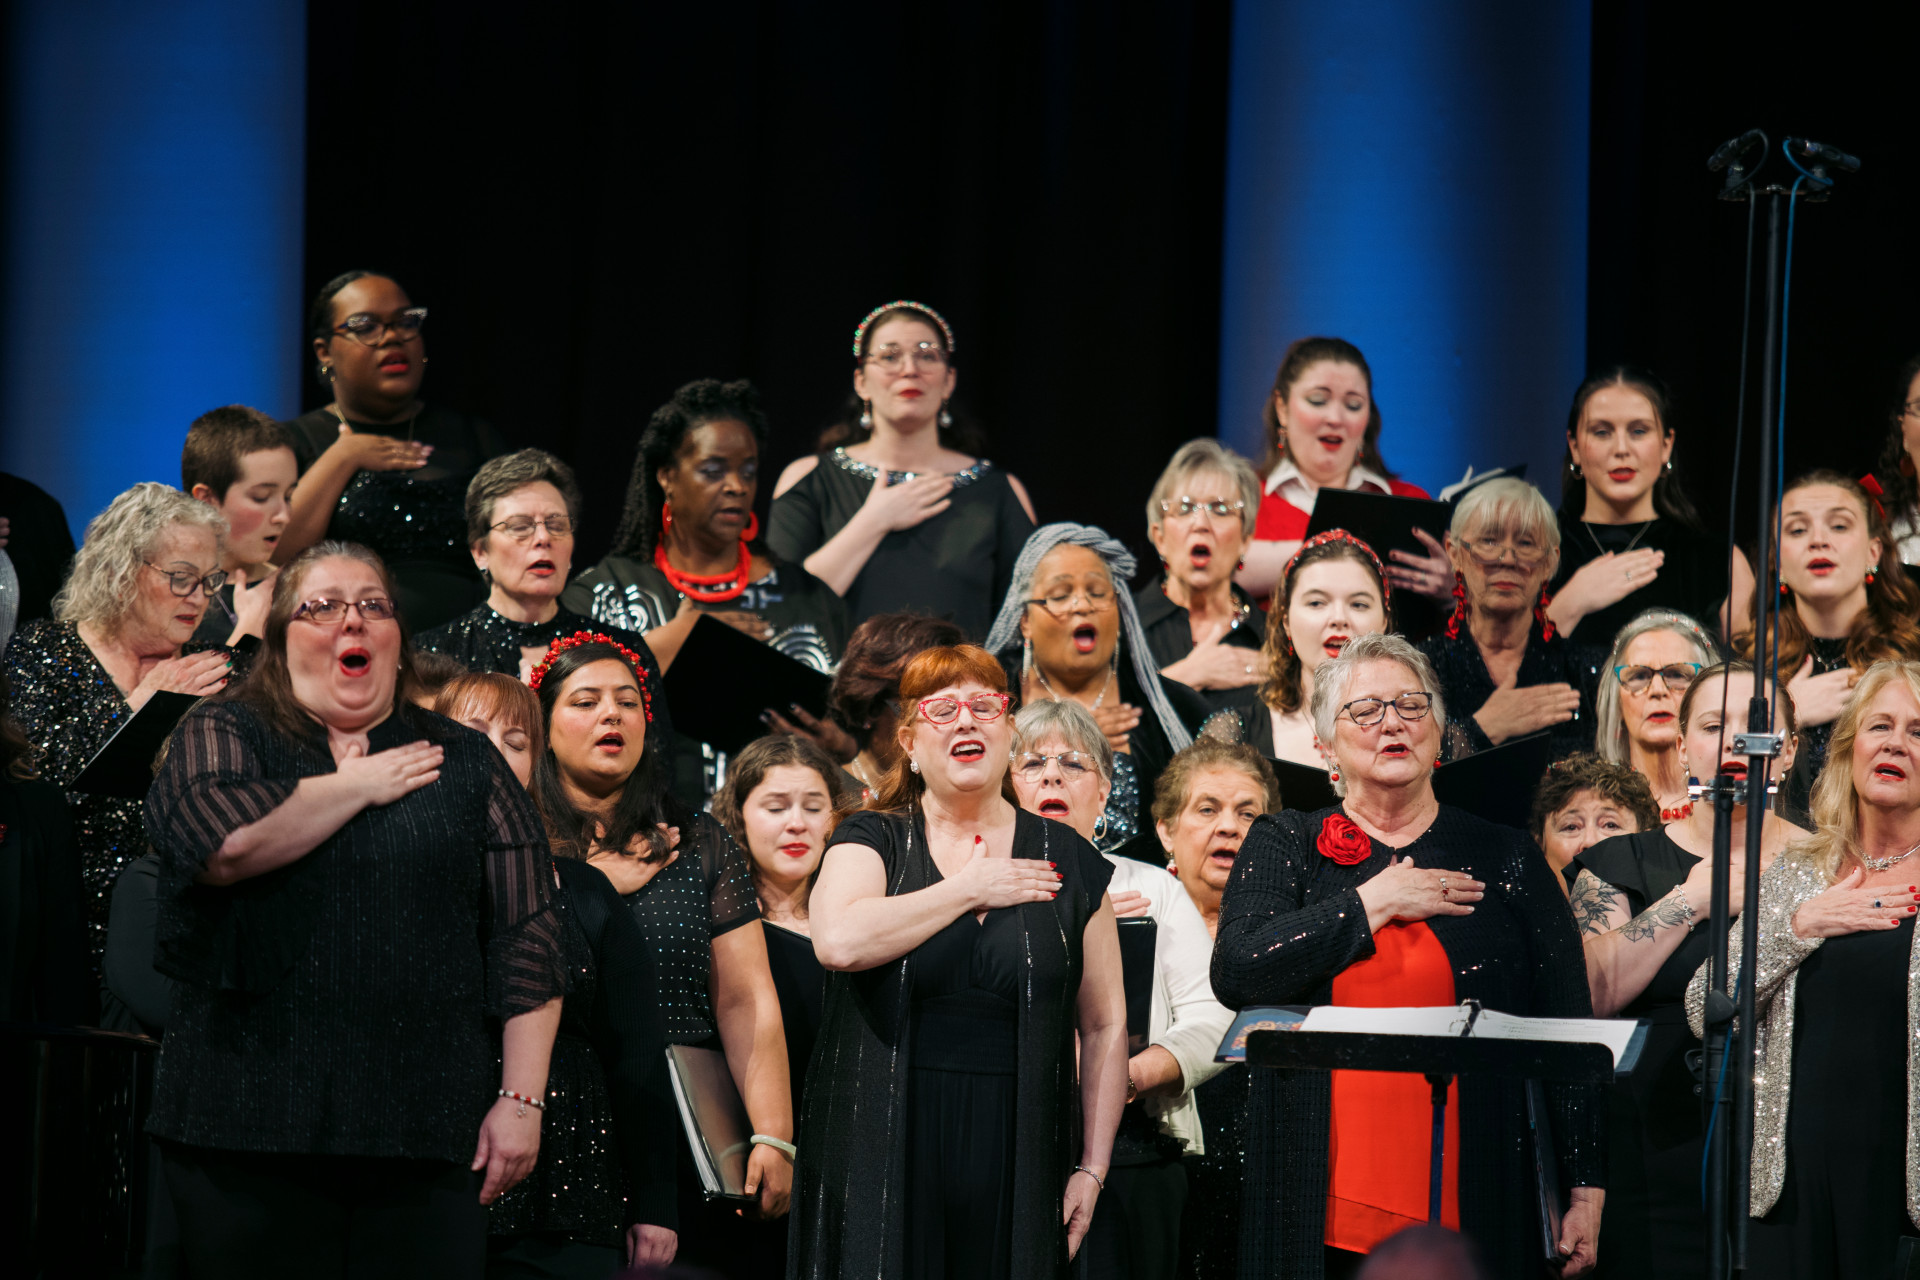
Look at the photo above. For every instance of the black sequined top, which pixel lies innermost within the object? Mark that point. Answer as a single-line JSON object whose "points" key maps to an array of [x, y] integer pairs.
{"points": [[1291, 920], [483, 640], [1466, 685], [69, 706], [607, 1138], [703, 893], [345, 1004], [416, 520]]}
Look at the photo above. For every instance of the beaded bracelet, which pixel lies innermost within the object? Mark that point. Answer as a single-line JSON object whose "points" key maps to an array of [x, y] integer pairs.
{"points": [[1080, 1168], [524, 1101], [767, 1140]]}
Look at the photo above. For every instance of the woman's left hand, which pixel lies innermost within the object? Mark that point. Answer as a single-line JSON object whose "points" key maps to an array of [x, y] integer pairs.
{"points": [[1429, 575], [509, 1144], [1129, 903], [771, 1177], [651, 1246], [1076, 1208], [1580, 1232], [830, 737]]}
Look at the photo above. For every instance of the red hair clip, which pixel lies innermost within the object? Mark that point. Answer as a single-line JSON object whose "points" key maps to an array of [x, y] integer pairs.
{"points": [[563, 643]]}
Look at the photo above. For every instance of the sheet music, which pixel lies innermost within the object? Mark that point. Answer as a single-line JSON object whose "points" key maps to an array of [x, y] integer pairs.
{"points": [[1611, 1032], [1423, 1020], [1447, 1020]]}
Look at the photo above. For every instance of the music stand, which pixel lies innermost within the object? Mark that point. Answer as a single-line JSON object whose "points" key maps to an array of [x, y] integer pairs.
{"points": [[1439, 1059]]}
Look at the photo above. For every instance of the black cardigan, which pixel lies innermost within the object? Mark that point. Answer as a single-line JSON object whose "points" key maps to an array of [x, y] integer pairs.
{"points": [[1292, 919]]}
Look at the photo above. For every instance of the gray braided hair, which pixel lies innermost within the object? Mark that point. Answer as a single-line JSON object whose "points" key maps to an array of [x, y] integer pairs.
{"points": [[1120, 566]]}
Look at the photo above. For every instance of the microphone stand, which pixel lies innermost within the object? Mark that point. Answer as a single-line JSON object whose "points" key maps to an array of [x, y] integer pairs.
{"points": [[1732, 1044]]}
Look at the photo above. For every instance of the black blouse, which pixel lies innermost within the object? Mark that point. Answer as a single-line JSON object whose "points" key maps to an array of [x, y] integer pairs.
{"points": [[1170, 637], [809, 621], [1291, 920], [705, 892], [956, 565], [1692, 579], [848, 1216], [1466, 685], [343, 1004]]}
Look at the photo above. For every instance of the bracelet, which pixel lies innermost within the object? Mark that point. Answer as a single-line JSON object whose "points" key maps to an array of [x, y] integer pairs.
{"points": [[1080, 1168], [524, 1101], [1686, 906], [1133, 1090], [786, 1149]]}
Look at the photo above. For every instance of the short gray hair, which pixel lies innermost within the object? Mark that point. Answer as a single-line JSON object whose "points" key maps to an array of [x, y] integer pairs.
{"points": [[1331, 681], [1069, 721], [501, 476], [1611, 744], [1196, 457], [1506, 503], [101, 588]]}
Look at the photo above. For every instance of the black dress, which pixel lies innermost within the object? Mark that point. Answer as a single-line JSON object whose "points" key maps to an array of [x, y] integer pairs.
{"points": [[483, 640], [1692, 579], [69, 706], [1466, 685], [956, 565], [416, 520], [1654, 1226], [43, 940], [1291, 921], [1210, 1220], [939, 1125], [1843, 1207], [809, 621], [1170, 638], [607, 1137], [802, 986]]}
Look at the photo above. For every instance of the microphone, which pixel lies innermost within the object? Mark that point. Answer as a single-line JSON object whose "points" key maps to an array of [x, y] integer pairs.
{"points": [[1824, 154], [1734, 149]]}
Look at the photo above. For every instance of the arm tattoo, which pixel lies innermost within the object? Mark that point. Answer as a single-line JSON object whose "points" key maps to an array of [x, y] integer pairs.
{"points": [[1593, 900], [1671, 909]]}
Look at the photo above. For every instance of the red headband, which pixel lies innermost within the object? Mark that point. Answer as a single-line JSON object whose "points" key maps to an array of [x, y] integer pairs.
{"points": [[563, 643], [1340, 535]]}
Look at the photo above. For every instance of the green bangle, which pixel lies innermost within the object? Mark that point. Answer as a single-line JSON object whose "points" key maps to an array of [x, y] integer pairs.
{"points": [[786, 1149]]}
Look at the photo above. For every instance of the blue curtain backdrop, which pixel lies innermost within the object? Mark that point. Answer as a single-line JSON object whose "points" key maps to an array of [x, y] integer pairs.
{"points": [[155, 177], [1413, 177]]}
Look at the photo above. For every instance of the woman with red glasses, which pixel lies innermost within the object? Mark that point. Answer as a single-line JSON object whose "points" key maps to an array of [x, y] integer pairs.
{"points": [[966, 942]]}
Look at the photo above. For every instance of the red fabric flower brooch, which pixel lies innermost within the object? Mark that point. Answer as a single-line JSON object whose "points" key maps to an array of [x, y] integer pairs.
{"points": [[1342, 840]]}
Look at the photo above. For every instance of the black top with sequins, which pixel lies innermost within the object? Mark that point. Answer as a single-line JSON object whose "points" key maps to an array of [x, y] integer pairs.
{"points": [[69, 706], [703, 893], [1466, 685], [1291, 920], [483, 640], [345, 1004], [416, 520]]}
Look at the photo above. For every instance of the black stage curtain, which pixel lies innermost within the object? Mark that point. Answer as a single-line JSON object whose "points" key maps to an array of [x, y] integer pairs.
{"points": [[599, 207]]}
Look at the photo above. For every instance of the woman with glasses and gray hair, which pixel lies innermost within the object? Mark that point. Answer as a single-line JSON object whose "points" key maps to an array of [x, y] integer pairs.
{"points": [[1502, 668], [1069, 630], [122, 631], [1655, 657], [1062, 769], [1391, 899], [1203, 629]]}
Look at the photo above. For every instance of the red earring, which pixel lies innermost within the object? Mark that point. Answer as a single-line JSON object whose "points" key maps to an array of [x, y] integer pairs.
{"points": [[666, 516], [1783, 589], [1870, 573], [1459, 606], [752, 530]]}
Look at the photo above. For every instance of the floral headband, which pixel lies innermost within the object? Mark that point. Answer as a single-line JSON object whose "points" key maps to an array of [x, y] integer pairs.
{"points": [[860, 332], [1341, 535], [563, 643]]}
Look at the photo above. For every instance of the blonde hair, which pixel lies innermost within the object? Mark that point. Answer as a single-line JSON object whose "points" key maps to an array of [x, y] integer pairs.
{"points": [[1836, 805], [1204, 456], [119, 541], [1506, 503]]}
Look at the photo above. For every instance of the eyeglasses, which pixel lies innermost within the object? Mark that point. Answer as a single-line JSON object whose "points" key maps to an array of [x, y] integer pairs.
{"points": [[333, 612], [1675, 675], [1366, 712], [1184, 507], [1074, 765], [371, 330], [183, 581], [520, 528], [985, 706], [1060, 603], [1488, 549], [925, 355]]}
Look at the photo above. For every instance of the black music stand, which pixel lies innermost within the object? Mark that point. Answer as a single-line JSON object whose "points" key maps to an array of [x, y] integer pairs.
{"points": [[1439, 1059]]}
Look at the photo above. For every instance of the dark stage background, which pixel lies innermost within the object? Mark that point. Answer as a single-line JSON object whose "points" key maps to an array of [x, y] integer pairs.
{"points": [[600, 211]]}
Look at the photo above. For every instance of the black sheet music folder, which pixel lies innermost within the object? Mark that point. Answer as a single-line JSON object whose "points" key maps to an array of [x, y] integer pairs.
{"points": [[123, 766], [1139, 937], [1382, 521], [722, 679]]}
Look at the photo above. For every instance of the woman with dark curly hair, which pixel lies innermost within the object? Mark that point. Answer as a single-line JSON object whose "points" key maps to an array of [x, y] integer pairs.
{"points": [[685, 543], [865, 698], [1892, 481]]}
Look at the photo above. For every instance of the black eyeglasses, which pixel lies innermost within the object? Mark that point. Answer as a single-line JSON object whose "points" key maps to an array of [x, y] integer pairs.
{"points": [[1367, 712], [371, 330], [183, 581], [985, 706], [520, 528], [333, 612], [1675, 675], [1184, 507]]}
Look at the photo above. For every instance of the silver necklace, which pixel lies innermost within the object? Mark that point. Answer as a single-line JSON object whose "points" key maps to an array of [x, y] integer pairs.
{"points": [[1595, 538], [335, 407], [1048, 686], [1881, 864]]}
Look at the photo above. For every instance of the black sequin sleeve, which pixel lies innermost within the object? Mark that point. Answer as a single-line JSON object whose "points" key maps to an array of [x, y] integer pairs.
{"points": [[525, 968], [731, 901], [1277, 942]]}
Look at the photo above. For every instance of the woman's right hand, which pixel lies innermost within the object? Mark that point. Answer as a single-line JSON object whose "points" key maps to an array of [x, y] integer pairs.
{"points": [[1610, 578], [991, 883], [629, 871], [904, 505], [371, 452], [196, 673], [1406, 892], [1117, 720], [1819, 699], [1215, 665], [1846, 908], [1515, 713], [385, 776]]}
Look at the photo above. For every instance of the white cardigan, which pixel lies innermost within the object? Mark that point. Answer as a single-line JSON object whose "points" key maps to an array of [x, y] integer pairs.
{"points": [[1186, 1020]]}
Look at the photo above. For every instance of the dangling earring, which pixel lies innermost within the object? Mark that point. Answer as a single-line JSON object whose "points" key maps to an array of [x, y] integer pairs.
{"points": [[666, 516], [1540, 615], [1669, 464], [326, 371], [1871, 570], [1333, 775], [946, 419], [1026, 658], [1784, 591], [1459, 606], [913, 764], [866, 415], [1575, 467], [485, 576]]}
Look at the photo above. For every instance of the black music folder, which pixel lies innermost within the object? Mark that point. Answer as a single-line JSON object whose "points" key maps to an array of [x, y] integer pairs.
{"points": [[1382, 521], [1139, 937], [123, 766], [1303, 787], [722, 680], [1496, 784], [718, 1131]]}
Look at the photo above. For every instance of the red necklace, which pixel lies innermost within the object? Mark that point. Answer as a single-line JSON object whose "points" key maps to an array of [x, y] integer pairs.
{"points": [[707, 590], [1675, 815]]}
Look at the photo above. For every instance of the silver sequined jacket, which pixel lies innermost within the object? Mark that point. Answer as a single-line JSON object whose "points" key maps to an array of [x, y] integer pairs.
{"points": [[1783, 888]]}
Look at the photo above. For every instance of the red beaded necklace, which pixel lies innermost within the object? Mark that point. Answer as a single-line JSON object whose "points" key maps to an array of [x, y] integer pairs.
{"points": [[1675, 815], [706, 589]]}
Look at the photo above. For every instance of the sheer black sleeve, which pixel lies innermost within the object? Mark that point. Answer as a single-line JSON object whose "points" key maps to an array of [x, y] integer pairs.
{"points": [[1272, 946], [731, 901], [128, 963], [525, 968]]}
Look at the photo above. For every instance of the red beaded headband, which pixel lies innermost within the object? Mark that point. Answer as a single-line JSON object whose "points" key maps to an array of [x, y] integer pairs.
{"points": [[860, 332], [563, 643], [1341, 535]]}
